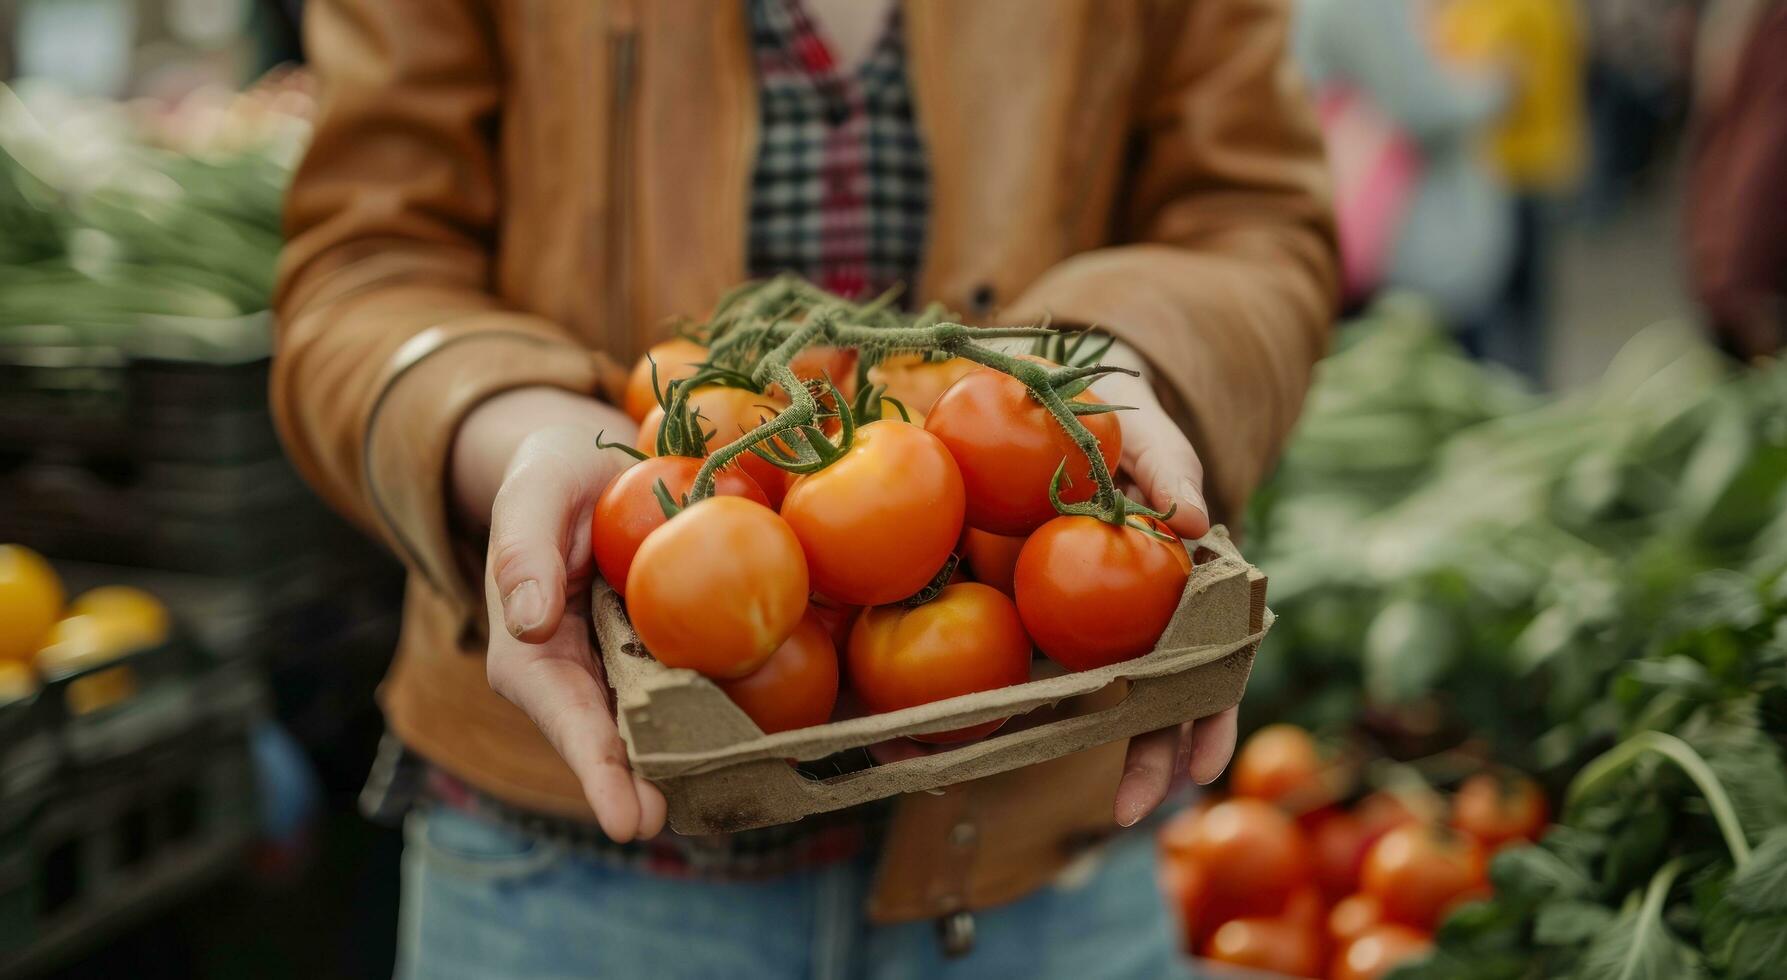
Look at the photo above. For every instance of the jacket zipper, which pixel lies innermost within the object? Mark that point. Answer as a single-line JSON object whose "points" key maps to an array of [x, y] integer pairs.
{"points": [[623, 52]]}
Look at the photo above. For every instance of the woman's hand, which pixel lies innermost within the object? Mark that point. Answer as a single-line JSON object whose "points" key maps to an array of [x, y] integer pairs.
{"points": [[526, 463], [1166, 471]]}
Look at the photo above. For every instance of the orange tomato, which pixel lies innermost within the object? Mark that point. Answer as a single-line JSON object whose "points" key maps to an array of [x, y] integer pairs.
{"points": [[837, 617], [1377, 951], [1009, 447], [797, 687], [1419, 872], [967, 639], [838, 364], [718, 587], [878, 523], [1266, 944], [677, 358], [1497, 811], [1337, 842], [917, 383], [1186, 887], [991, 557], [1351, 916], [628, 510], [1276, 762], [1254, 854], [1092, 593], [728, 413]]}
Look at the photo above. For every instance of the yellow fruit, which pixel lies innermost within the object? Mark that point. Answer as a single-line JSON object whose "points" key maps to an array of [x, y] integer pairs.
{"points": [[30, 601], [17, 682], [131, 615], [80, 642]]}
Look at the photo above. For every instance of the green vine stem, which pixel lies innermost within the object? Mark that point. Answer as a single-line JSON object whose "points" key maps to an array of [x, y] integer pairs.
{"points": [[777, 341], [1610, 763]]}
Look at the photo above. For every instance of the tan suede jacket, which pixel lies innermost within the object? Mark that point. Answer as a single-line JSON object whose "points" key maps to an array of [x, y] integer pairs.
{"points": [[517, 193]]}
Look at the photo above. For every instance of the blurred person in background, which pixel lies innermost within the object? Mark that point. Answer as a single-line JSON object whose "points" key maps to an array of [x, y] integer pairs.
{"points": [[1537, 147], [1737, 195], [1417, 209], [504, 202], [1637, 86]]}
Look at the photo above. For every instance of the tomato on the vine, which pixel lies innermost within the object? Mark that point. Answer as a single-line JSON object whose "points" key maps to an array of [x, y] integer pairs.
{"points": [[878, 523], [992, 558], [822, 362], [837, 617], [1377, 951], [628, 510], [1496, 810], [1093, 593], [917, 383], [728, 413], [718, 587], [1254, 854], [1271, 945], [676, 359], [967, 639], [1009, 447], [1419, 872], [1351, 916], [797, 687]]}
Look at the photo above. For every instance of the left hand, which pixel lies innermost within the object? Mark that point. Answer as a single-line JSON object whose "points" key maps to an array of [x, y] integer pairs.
{"points": [[1165, 468]]}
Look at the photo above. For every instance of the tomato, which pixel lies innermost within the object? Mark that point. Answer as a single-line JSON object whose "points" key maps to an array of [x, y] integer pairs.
{"points": [[1379, 814], [991, 557], [915, 382], [797, 687], [837, 617], [728, 413], [718, 587], [676, 359], [1269, 945], [1092, 593], [967, 639], [1254, 854], [1418, 872], [1377, 951], [1187, 889], [879, 522], [1276, 762], [1351, 916], [1337, 843], [838, 364], [1496, 811], [1009, 447], [628, 510], [30, 601]]}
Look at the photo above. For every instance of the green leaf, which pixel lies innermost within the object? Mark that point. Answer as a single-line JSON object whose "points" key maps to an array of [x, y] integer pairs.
{"points": [[1638, 945], [1535, 874], [1409, 646], [1756, 948], [1570, 922], [1760, 886]]}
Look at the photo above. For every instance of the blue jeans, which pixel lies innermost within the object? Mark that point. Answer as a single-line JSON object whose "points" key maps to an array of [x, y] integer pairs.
{"points": [[482, 902]]}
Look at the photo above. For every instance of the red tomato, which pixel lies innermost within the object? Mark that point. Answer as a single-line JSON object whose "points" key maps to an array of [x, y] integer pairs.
{"points": [[1092, 593], [1187, 889], [1009, 447], [1379, 814], [1276, 762], [797, 687], [676, 359], [1377, 951], [967, 639], [837, 617], [1337, 841], [628, 510], [1419, 872], [1496, 811], [718, 587], [917, 383], [1269, 945], [1351, 916], [878, 523], [728, 413], [835, 363], [991, 557], [1254, 854]]}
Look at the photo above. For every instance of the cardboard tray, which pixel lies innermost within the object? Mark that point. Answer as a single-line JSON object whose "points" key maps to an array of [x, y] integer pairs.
{"points": [[720, 773]]}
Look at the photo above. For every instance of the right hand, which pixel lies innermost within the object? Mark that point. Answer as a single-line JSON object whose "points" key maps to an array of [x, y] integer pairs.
{"points": [[526, 462]]}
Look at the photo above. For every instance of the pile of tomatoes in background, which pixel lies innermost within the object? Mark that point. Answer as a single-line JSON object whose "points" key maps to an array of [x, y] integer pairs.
{"points": [[906, 532], [1281, 877]]}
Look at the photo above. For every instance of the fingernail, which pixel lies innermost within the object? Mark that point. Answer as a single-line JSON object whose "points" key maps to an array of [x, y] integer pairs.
{"points": [[1129, 819], [524, 607], [1191, 495]]}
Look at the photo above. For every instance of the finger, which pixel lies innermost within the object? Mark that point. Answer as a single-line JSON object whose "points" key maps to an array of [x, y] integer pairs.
{"points": [[1213, 745], [529, 532], [652, 807], [1147, 774], [1167, 469]]}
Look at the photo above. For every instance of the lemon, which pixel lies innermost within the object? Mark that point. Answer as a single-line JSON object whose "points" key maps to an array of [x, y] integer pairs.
{"points": [[79, 642], [131, 616], [30, 601]]}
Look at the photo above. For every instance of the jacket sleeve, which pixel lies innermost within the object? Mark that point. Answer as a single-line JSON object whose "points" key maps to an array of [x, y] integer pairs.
{"points": [[1229, 279], [388, 331]]}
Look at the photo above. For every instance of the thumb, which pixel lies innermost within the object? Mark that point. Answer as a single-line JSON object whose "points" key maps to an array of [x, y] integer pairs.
{"points": [[1166, 468], [530, 523]]}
